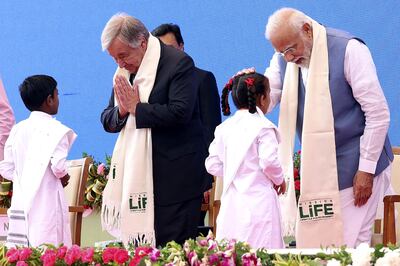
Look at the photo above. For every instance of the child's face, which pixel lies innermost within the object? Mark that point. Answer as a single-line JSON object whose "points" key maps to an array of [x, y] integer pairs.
{"points": [[53, 102], [264, 100]]}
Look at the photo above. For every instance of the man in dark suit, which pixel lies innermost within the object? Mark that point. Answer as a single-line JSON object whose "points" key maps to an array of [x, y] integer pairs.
{"points": [[172, 114], [210, 111]]}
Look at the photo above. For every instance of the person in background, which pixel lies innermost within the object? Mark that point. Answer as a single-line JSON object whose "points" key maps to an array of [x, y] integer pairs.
{"points": [[35, 160], [7, 119], [245, 154], [210, 111]]}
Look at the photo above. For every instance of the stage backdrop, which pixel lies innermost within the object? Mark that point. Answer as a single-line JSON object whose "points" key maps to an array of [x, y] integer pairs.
{"points": [[62, 39]]}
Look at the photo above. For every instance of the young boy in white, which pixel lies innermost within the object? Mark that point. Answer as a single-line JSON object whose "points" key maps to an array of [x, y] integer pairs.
{"points": [[245, 153], [35, 160]]}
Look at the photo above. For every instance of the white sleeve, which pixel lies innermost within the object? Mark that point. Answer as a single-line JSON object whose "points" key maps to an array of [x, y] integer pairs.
{"points": [[275, 83], [6, 118], [268, 155], [7, 165], [360, 73], [58, 160], [214, 163]]}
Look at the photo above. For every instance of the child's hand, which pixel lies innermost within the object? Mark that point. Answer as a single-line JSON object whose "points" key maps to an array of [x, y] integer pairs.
{"points": [[64, 180], [281, 189]]}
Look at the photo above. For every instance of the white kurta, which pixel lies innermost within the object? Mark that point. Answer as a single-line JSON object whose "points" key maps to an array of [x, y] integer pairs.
{"points": [[249, 204], [38, 201]]}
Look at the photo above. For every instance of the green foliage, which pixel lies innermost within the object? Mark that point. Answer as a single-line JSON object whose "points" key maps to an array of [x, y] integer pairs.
{"points": [[97, 180]]}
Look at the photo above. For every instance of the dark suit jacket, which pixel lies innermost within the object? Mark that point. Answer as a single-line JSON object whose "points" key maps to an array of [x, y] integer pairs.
{"points": [[177, 136], [210, 110]]}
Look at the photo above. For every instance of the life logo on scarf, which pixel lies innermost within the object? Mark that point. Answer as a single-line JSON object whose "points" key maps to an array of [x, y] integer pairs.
{"points": [[138, 202], [317, 209]]}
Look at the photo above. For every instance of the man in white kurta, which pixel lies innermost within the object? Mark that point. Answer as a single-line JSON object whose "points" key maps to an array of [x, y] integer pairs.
{"points": [[35, 160], [245, 153]]}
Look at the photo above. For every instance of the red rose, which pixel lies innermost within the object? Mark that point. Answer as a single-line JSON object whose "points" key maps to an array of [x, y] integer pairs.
{"points": [[297, 184], [12, 255], [87, 255], [295, 173], [108, 254], [121, 256], [61, 252]]}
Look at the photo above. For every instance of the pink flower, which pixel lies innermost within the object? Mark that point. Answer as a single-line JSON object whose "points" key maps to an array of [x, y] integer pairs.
{"points": [[73, 254], [87, 255], [297, 185], [21, 263], [49, 257], [100, 169], [211, 245], [203, 242], [142, 251], [12, 255], [61, 252], [135, 261], [213, 258], [154, 255], [194, 259], [108, 254], [121, 256], [249, 259], [25, 253]]}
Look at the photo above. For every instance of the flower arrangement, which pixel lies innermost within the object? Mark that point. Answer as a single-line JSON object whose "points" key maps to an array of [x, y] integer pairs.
{"points": [[96, 182], [296, 173], [198, 252], [5, 194]]}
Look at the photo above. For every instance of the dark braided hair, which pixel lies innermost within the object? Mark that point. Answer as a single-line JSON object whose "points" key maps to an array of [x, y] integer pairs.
{"points": [[246, 89], [224, 97]]}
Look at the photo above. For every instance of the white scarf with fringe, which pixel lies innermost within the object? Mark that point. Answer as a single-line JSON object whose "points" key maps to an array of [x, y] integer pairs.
{"points": [[318, 221], [128, 201]]}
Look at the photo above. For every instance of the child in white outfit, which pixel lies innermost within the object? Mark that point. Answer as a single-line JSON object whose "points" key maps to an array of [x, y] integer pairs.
{"points": [[35, 160], [245, 153]]}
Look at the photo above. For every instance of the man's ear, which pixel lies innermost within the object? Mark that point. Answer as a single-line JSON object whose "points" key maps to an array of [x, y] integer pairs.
{"points": [[307, 30], [182, 47], [50, 100]]}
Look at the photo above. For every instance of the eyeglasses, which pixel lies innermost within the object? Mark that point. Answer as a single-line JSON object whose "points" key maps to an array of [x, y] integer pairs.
{"points": [[289, 50]]}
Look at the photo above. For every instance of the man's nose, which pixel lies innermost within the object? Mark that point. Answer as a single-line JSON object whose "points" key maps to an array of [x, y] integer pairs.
{"points": [[289, 57], [120, 63]]}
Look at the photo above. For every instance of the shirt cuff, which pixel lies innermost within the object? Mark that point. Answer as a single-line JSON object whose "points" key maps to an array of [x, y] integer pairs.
{"points": [[367, 166], [120, 121]]}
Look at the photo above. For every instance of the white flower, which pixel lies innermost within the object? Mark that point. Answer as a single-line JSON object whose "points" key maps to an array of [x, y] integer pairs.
{"points": [[361, 256], [333, 262], [391, 258]]}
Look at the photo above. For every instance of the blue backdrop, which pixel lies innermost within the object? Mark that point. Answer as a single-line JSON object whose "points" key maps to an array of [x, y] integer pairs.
{"points": [[62, 39]]}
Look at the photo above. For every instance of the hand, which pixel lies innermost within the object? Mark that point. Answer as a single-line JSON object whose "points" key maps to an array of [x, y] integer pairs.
{"points": [[362, 187], [64, 180], [127, 96], [246, 71], [281, 189], [206, 196]]}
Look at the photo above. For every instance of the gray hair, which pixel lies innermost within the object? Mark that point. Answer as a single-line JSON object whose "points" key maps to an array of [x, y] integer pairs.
{"points": [[293, 17], [127, 28]]}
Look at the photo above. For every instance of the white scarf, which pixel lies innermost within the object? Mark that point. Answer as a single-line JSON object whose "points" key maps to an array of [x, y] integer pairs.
{"points": [[128, 200], [319, 220]]}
